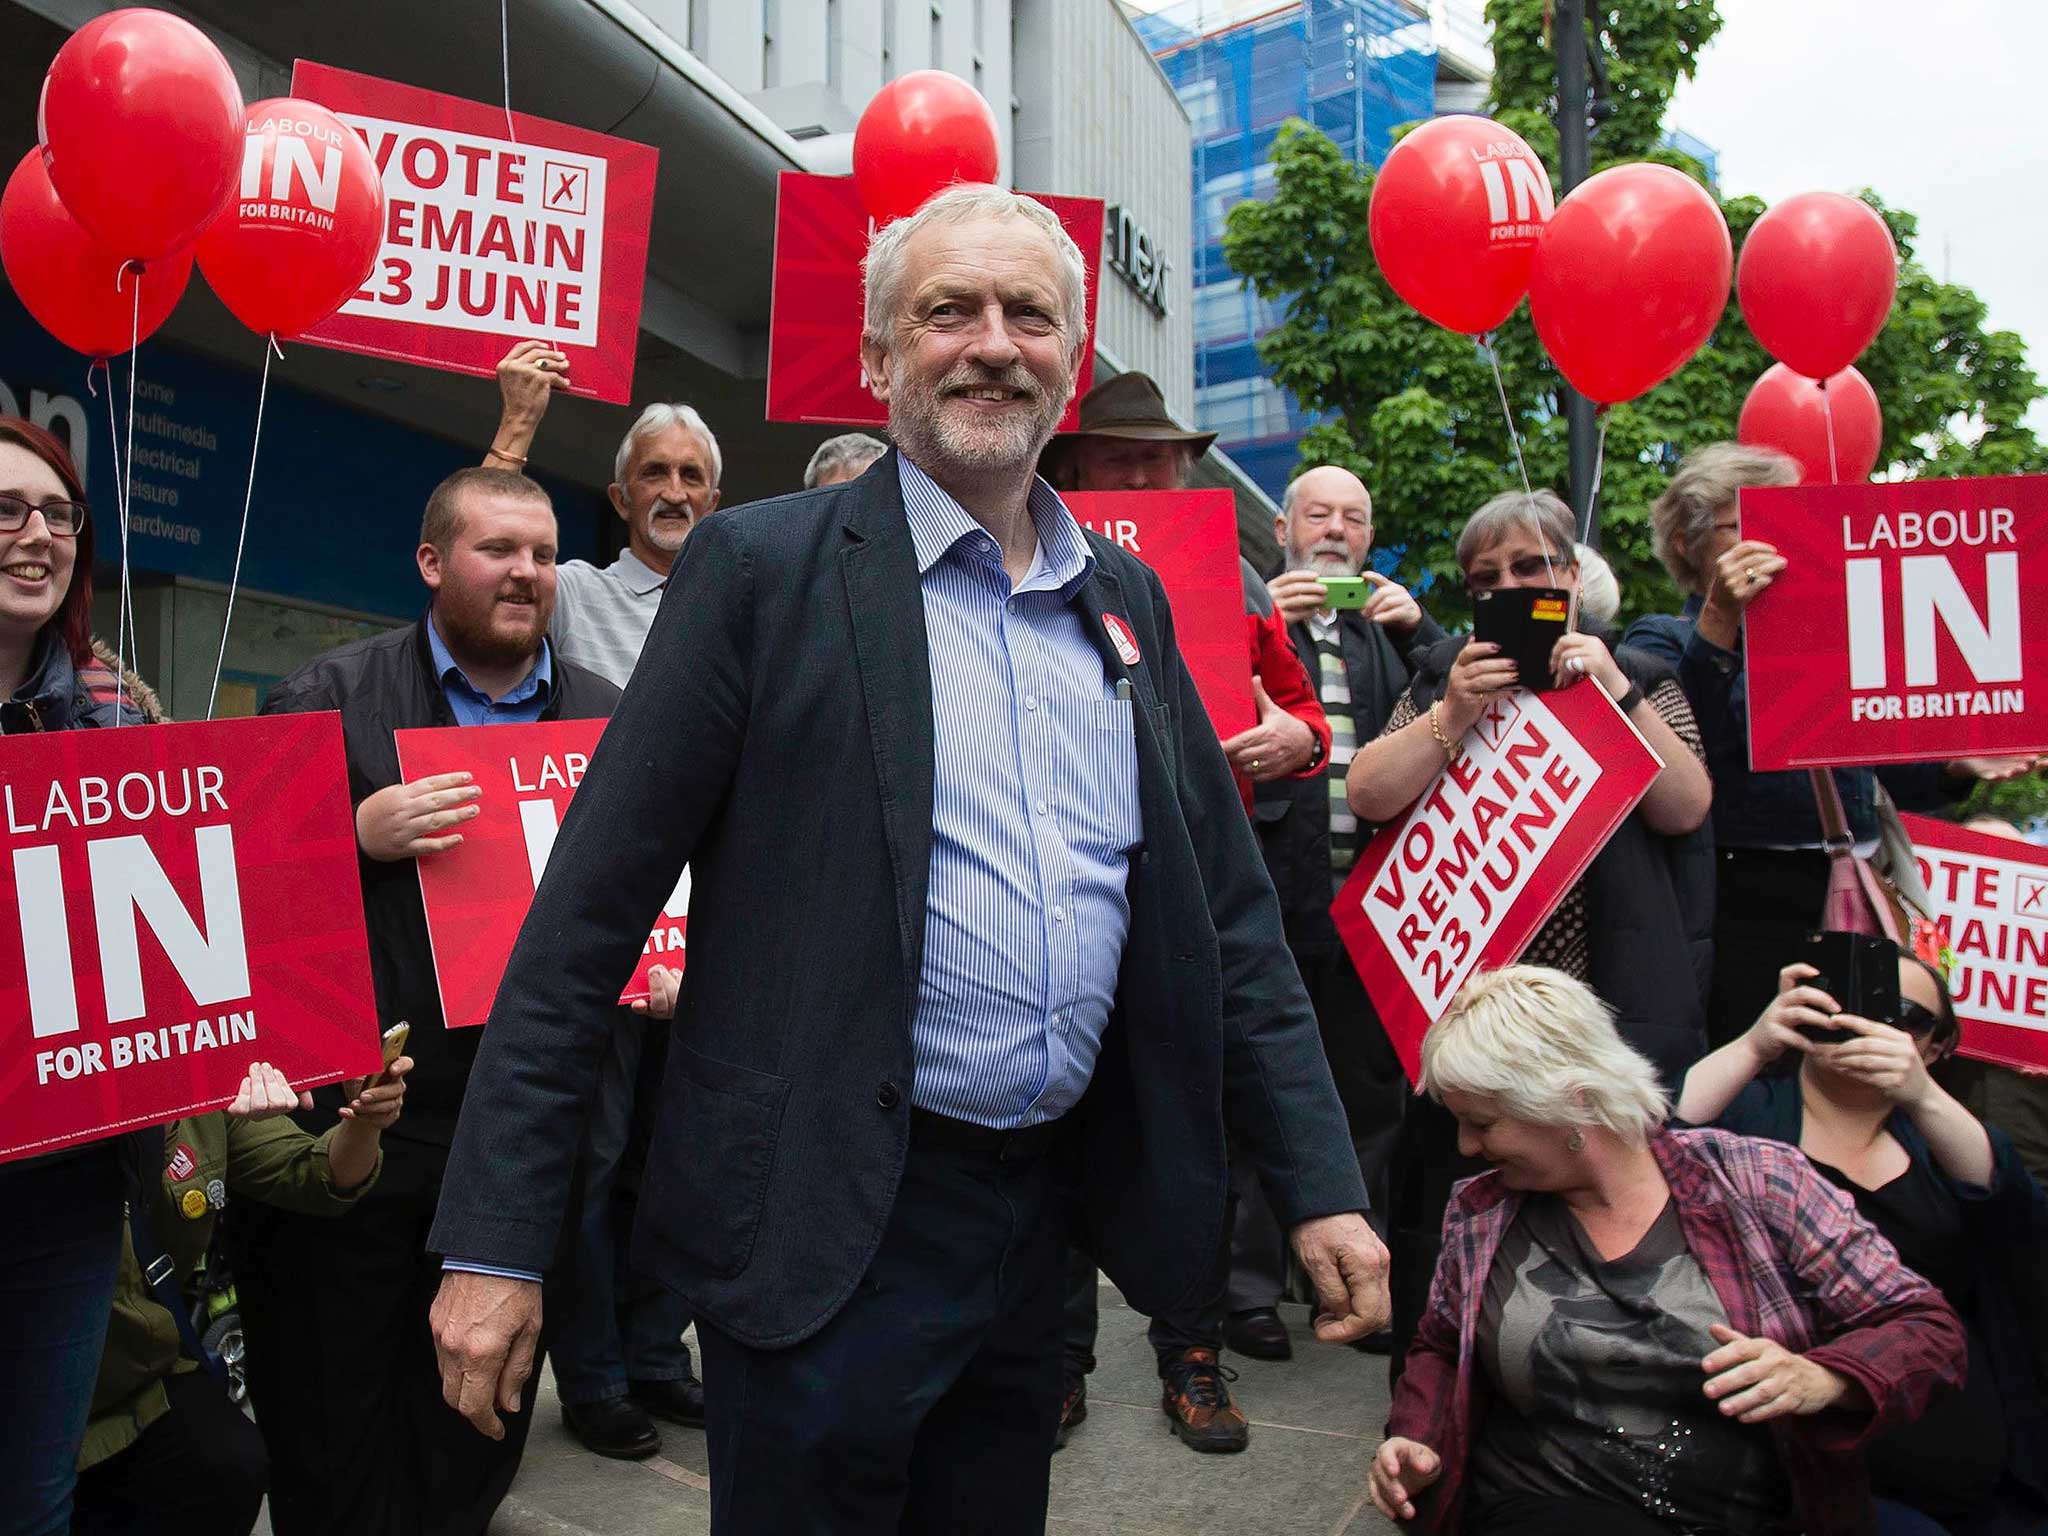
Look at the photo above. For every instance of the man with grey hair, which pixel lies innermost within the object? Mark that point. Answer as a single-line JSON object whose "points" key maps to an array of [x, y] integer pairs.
{"points": [[980, 945], [842, 458], [617, 1339]]}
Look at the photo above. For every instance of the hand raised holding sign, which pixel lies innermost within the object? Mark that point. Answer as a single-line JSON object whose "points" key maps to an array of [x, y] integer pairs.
{"points": [[1578, 655], [267, 1093], [407, 820], [1743, 572], [528, 376]]}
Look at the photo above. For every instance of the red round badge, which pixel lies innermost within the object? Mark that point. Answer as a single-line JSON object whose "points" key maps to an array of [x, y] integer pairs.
{"points": [[182, 1164], [1121, 637]]}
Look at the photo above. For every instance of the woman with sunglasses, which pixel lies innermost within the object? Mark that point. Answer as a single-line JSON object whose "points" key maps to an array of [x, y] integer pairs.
{"points": [[1949, 1193], [63, 1240], [1635, 926]]}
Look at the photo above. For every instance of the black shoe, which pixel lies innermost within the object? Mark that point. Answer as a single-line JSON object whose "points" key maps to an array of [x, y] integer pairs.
{"points": [[1258, 1332], [612, 1427], [1197, 1403], [680, 1402], [1073, 1409]]}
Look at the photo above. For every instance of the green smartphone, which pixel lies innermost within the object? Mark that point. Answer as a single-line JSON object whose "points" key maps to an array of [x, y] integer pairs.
{"points": [[1351, 592]]}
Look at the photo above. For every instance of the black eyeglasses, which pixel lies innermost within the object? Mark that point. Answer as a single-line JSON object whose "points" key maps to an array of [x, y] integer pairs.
{"points": [[64, 518]]}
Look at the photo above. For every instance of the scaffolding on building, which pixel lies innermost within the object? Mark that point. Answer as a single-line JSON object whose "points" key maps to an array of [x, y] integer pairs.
{"points": [[1356, 69]]}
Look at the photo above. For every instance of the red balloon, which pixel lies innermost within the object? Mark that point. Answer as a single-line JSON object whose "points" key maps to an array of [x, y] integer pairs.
{"points": [[141, 125], [921, 133], [71, 283], [304, 234], [1787, 411], [1457, 213], [1816, 281], [1630, 280]]}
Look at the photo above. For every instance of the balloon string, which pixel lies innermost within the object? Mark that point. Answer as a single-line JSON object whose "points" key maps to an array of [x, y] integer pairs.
{"points": [[1593, 494], [235, 580], [505, 59], [1827, 408], [124, 467], [1507, 415]]}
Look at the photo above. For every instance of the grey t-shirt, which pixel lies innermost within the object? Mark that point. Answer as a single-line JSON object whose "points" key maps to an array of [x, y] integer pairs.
{"points": [[1595, 1369], [603, 613]]}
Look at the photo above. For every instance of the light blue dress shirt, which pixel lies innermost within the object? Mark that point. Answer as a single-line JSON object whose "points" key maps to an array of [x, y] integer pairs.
{"points": [[1034, 816], [473, 706]]}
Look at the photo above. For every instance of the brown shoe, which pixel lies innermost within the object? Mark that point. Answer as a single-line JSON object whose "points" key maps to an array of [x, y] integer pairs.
{"points": [[1073, 1409], [1197, 1403]]}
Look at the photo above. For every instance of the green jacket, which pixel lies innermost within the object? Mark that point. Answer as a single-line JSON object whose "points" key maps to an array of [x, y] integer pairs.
{"points": [[207, 1158]]}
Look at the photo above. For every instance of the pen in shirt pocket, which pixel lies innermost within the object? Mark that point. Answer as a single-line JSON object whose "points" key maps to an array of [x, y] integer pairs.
{"points": [[1123, 690]]}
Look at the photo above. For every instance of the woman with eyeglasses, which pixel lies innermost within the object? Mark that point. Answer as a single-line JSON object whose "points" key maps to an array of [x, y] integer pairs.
{"points": [[63, 1238], [1949, 1193], [1635, 926], [1771, 863]]}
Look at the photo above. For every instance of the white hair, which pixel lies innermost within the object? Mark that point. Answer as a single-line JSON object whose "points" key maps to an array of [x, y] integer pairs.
{"points": [[1544, 1047], [849, 453], [883, 269], [659, 417], [1599, 589]]}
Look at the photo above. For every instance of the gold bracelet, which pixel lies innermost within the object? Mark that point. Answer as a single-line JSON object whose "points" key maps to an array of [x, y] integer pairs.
{"points": [[1453, 750], [510, 458]]}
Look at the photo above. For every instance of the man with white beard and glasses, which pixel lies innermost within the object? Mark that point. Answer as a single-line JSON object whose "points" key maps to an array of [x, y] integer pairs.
{"points": [[617, 1339], [1358, 662], [980, 945]]}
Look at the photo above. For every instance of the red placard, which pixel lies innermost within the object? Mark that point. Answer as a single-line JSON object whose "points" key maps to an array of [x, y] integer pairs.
{"points": [[1910, 623], [491, 238], [477, 893], [1991, 894], [1476, 866], [814, 322], [177, 902], [1190, 539]]}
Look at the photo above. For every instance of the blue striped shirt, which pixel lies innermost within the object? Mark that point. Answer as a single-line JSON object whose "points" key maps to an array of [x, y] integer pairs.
{"points": [[1034, 816]]}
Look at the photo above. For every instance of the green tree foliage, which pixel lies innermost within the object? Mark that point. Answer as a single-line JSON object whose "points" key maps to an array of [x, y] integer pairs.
{"points": [[1413, 410]]}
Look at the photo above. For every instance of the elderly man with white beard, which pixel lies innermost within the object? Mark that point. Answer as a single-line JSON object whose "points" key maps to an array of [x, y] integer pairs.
{"points": [[1358, 662], [979, 946]]}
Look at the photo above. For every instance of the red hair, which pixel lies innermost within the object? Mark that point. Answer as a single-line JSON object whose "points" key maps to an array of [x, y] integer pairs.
{"points": [[74, 614]]}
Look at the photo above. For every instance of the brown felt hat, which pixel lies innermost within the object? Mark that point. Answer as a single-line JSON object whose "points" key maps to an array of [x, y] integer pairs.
{"points": [[1131, 406]]}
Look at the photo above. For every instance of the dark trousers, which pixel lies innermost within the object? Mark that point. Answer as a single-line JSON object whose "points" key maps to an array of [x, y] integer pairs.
{"points": [[927, 1403], [1537, 1514], [1765, 903], [1170, 1334], [199, 1470], [342, 1371], [609, 1326], [57, 1266], [1427, 1164]]}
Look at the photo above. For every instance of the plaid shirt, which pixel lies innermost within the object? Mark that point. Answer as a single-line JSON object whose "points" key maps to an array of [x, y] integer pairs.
{"points": [[1789, 1259]]}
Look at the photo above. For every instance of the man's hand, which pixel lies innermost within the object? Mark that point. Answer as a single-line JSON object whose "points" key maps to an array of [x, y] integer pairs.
{"points": [[1991, 770], [1347, 1263], [528, 376], [1277, 747], [664, 983], [267, 1093], [1391, 604], [486, 1329], [1401, 1470], [1297, 594], [404, 821], [1758, 1379]]}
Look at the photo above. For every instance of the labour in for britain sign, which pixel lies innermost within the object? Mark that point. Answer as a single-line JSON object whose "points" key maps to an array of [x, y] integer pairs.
{"points": [[177, 902], [1190, 539], [1467, 876], [1990, 895], [814, 323], [477, 893], [493, 234], [1909, 625]]}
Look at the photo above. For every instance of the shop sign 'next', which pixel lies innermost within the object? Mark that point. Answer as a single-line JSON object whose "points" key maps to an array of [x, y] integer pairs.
{"points": [[1134, 257]]}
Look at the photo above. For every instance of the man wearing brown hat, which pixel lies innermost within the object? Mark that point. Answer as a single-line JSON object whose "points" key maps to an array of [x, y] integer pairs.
{"points": [[1127, 442]]}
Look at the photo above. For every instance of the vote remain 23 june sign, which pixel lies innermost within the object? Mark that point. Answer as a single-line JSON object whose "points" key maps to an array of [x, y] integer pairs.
{"points": [[1465, 879], [491, 238], [477, 893], [1190, 539], [1910, 623], [177, 902], [814, 322], [1991, 894]]}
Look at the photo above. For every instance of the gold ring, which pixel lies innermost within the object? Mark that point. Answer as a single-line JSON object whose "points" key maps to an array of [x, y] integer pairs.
{"points": [[1255, 765]]}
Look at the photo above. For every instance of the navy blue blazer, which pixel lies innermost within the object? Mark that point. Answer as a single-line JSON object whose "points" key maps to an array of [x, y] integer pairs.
{"points": [[777, 737]]}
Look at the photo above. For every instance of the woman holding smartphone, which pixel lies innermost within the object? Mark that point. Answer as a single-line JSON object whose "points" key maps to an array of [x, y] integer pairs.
{"points": [[1635, 926]]}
